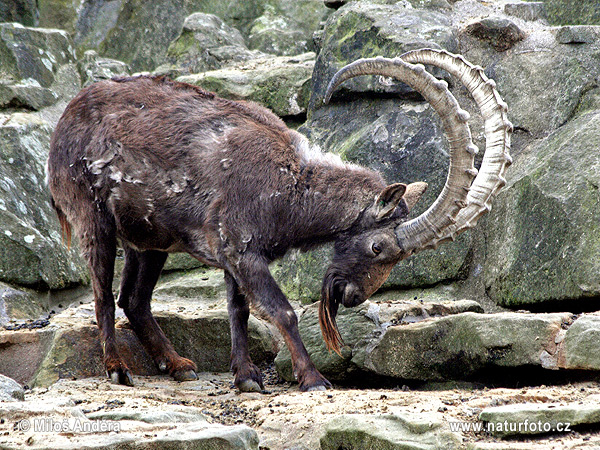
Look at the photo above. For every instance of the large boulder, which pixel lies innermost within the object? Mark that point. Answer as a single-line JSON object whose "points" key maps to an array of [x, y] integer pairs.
{"points": [[361, 328], [23, 11], [286, 28], [365, 29], [542, 235], [207, 43], [37, 67], [203, 335], [282, 84], [564, 12], [31, 249], [387, 431], [545, 77]]}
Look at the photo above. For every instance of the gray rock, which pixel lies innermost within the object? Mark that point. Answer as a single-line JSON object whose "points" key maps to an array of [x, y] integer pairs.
{"points": [[24, 12], [281, 84], [95, 20], [578, 34], [286, 28], [457, 346], [564, 12], [365, 29], [361, 328], [10, 390], [502, 34], [171, 415], [530, 11], [198, 284], [542, 230], [27, 94], [60, 14], [580, 349], [32, 59], [201, 335], [31, 249], [533, 418], [207, 43], [387, 431], [93, 68]]}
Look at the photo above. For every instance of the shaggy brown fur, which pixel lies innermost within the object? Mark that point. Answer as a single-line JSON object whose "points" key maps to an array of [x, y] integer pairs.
{"points": [[167, 167]]}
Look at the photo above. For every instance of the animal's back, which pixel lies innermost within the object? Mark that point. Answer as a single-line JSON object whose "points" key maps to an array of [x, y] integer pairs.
{"points": [[156, 154]]}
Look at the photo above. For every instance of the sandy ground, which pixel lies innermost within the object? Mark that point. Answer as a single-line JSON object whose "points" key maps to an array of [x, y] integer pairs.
{"points": [[286, 418]]}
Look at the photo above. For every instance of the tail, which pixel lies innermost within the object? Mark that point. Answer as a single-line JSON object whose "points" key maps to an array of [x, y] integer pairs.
{"points": [[65, 226]]}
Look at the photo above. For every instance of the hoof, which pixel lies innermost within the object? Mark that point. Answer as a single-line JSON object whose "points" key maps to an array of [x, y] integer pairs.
{"points": [[185, 375], [120, 376], [250, 386], [317, 388]]}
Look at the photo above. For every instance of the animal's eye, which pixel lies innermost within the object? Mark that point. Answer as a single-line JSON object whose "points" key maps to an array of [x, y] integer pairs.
{"points": [[376, 248]]}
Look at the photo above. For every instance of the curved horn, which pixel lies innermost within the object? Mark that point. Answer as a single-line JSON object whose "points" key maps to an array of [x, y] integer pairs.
{"points": [[460, 204], [497, 129], [430, 225]]}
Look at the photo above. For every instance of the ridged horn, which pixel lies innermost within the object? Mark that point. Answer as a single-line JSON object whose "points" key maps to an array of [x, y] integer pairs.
{"points": [[497, 129], [430, 226], [467, 194]]}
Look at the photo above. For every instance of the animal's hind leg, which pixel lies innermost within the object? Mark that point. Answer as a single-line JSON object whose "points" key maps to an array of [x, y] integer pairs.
{"points": [[99, 247], [140, 274], [247, 376]]}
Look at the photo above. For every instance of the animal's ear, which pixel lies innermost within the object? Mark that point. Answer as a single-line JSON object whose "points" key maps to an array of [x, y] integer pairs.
{"points": [[388, 200], [413, 193]]}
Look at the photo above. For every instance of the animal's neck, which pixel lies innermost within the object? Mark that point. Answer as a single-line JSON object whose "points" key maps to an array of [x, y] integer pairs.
{"points": [[332, 199]]}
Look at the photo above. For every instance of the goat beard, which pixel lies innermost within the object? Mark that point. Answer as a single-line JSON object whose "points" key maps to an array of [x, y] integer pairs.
{"points": [[331, 296]]}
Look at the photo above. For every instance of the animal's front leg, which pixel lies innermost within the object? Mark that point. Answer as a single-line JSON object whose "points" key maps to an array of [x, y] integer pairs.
{"points": [[247, 376], [257, 282]]}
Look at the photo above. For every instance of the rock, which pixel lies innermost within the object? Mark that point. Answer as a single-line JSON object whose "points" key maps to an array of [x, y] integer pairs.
{"points": [[58, 14], [389, 431], [181, 261], [361, 328], [542, 231], [580, 348], [24, 12], [31, 249], [500, 33], [93, 68], [10, 390], [363, 29], [22, 352], [179, 415], [143, 32], [95, 20], [126, 430], [563, 12], [207, 43], [18, 304], [33, 56], [578, 34], [286, 28], [529, 10], [201, 335], [532, 418], [543, 80], [27, 94], [199, 284], [281, 84], [457, 346]]}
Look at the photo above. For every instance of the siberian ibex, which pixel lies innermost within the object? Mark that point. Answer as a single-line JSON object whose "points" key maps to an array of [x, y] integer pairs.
{"points": [[166, 167]]}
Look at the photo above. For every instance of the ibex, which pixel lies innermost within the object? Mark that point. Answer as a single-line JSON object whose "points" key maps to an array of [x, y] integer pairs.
{"points": [[165, 167]]}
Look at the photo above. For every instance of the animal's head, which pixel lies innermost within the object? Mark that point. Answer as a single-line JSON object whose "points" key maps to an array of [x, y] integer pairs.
{"points": [[365, 255]]}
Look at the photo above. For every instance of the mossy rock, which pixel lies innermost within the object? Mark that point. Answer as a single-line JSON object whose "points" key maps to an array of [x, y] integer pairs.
{"points": [[543, 239]]}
